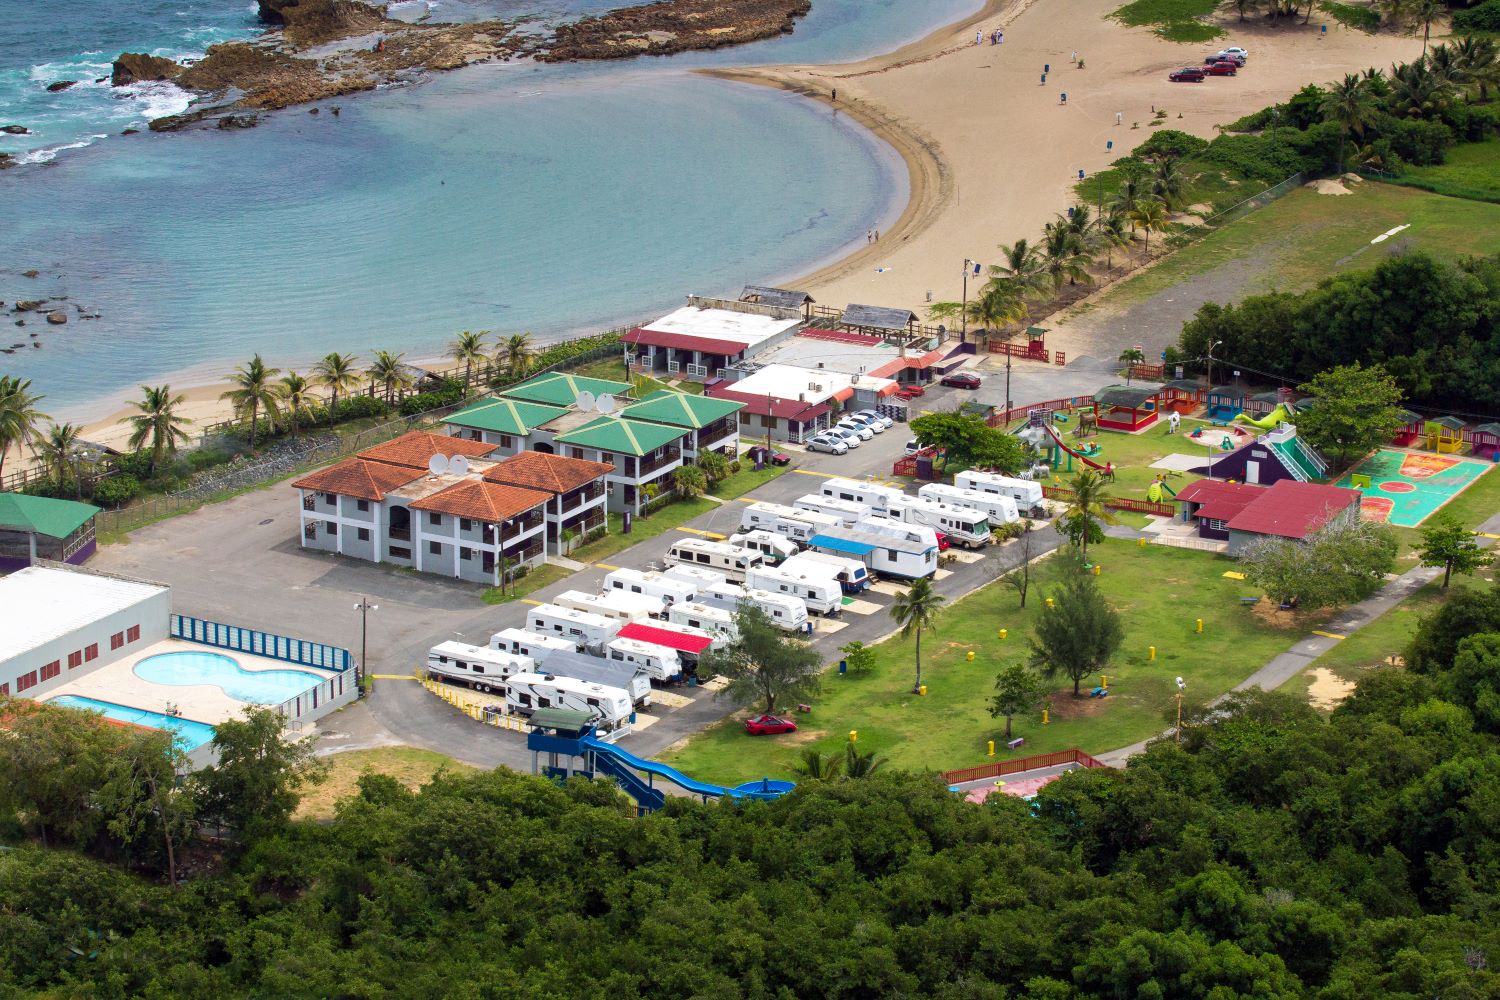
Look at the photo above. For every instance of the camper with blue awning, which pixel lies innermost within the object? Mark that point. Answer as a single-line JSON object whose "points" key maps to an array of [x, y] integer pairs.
{"points": [[891, 554]]}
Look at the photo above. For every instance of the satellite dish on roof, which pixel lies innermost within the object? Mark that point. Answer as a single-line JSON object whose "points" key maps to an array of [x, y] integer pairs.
{"points": [[458, 465], [605, 403], [585, 401], [437, 465]]}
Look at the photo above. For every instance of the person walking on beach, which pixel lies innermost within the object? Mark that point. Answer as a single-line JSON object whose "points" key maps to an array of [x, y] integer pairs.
{"points": [[877, 236], [1075, 56], [1118, 117], [978, 37], [835, 95]]}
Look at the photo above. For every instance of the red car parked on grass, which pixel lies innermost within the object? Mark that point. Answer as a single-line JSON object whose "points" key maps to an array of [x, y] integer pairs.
{"points": [[1188, 74], [769, 725]]}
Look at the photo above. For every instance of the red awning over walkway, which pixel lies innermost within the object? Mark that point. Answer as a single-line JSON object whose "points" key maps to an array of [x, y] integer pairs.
{"points": [[680, 641]]}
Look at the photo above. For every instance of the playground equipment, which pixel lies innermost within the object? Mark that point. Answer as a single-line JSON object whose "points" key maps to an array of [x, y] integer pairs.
{"points": [[1061, 447], [1088, 423], [1155, 490], [568, 734], [1282, 414], [1225, 444]]}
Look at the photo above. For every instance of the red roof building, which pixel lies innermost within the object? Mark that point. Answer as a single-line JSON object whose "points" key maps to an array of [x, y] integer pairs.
{"points": [[355, 477], [1213, 503], [415, 448], [1291, 509]]}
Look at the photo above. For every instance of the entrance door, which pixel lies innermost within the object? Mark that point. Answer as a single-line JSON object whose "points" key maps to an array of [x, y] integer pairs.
{"points": [[1252, 472]]}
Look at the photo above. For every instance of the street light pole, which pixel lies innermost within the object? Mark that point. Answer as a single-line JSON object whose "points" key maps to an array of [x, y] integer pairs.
{"points": [[1177, 733], [963, 314], [364, 607]]}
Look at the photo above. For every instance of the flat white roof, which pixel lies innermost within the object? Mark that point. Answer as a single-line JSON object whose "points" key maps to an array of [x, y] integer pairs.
{"points": [[721, 324], [792, 382], [39, 604]]}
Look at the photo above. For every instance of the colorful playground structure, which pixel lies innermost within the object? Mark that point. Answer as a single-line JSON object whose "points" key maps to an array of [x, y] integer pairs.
{"points": [[565, 737], [1041, 433], [1405, 488], [1281, 415]]}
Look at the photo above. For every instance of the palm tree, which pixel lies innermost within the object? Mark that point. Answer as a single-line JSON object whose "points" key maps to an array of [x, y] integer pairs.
{"points": [[19, 417], [1130, 357], [158, 422], [516, 353], [389, 371], [1447, 65], [297, 391], [1425, 12], [1063, 255], [1167, 181], [1149, 214], [1418, 92], [917, 611], [1112, 234], [860, 765], [1087, 506], [1131, 190], [254, 390], [1478, 58], [57, 451], [1350, 105], [468, 350], [1022, 267], [815, 766], [339, 373]]}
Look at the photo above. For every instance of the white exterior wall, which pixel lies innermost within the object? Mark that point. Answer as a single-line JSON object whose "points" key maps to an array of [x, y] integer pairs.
{"points": [[152, 614]]}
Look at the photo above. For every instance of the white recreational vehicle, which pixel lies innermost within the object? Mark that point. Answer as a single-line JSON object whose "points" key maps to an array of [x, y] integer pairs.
{"points": [[918, 534], [850, 573], [524, 643], [731, 560], [1001, 510], [660, 663], [695, 576], [964, 525], [583, 628], [775, 549], [783, 609], [894, 553], [717, 622], [847, 511], [817, 588], [1026, 494], [620, 606], [604, 670], [609, 706], [480, 667], [795, 523], [878, 498], [633, 581]]}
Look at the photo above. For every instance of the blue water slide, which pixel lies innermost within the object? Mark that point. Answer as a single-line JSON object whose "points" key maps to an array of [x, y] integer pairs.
{"points": [[763, 789]]}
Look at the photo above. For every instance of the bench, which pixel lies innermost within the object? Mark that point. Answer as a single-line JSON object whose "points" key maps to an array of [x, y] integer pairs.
{"points": [[1249, 600], [804, 707], [1017, 743]]}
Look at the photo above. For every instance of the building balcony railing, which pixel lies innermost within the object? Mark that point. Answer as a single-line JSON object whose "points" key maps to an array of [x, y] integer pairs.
{"points": [[668, 457], [399, 534]]}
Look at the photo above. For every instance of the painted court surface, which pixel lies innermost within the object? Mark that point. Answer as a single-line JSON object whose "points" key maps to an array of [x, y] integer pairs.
{"points": [[1406, 486]]}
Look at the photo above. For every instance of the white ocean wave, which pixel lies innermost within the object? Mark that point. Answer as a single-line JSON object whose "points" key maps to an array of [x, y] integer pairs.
{"points": [[49, 153]]}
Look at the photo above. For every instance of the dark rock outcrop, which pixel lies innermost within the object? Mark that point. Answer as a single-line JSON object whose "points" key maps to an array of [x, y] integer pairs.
{"points": [[60, 85], [658, 29], [57, 318], [6, 161], [239, 121], [15, 129], [133, 67]]}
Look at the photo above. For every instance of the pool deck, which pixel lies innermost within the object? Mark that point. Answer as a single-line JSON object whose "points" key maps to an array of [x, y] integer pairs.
{"points": [[116, 682]]}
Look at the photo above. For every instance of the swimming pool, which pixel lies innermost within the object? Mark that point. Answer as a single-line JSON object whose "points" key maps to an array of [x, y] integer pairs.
{"points": [[190, 735], [257, 687]]}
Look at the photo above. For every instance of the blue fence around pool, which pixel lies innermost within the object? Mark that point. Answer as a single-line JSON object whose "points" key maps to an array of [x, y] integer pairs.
{"points": [[275, 647]]}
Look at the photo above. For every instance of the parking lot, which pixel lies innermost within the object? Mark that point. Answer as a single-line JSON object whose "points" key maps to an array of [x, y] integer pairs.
{"points": [[239, 562]]}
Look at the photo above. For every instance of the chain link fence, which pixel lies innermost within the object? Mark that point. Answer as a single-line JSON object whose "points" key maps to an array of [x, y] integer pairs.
{"points": [[1215, 222]]}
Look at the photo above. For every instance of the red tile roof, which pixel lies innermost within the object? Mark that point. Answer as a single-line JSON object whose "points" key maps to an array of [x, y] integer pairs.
{"points": [[680, 641], [554, 473], [482, 501], [685, 342], [793, 409], [415, 448], [841, 337], [1292, 509], [1220, 501], [355, 477]]}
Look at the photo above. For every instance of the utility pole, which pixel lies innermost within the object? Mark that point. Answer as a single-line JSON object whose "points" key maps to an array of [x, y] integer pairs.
{"points": [[1007, 387], [364, 607]]}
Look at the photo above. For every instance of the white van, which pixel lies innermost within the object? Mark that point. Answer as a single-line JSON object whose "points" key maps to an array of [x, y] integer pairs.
{"points": [[795, 523], [694, 576], [818, 589], [878, 498], [731, 560], [964, 525], [621, 606], [603, 670], [608, 706], [582, 628], [716, 622], [776, 549], [850, 573], [847, 511], [660, 663], [633, 581], [1001, 510], [1026, 494], [524, 643], [481, 668]]}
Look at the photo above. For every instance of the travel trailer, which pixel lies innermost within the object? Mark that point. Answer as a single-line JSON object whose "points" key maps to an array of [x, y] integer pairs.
{"points": [[902, 554], [850, 573], [918, 534], [964, 525], [609, 707], [583, 628], [1026, 494], [604, 670], [695, 576], [717, 622], [783, 609], [660, 663], [1001, 510], [731, 560], [480, 667], [878, 498], [689, 643], [776, 549], [524, 643], [794, 523], [620, 606], [633, 581], [847, 511], [817, 589]]}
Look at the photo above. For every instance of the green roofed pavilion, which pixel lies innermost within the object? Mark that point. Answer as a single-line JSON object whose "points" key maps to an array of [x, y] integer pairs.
{"points": [[562, 389], [681, 409], [624, 437], [505, 416], [33, 528]]}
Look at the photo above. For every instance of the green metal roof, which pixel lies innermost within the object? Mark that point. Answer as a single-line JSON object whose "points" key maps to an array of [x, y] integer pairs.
{"points": [[681, 409], [627, 437], [43, 515], [505, 416], [562, 389], [1449, 423]]}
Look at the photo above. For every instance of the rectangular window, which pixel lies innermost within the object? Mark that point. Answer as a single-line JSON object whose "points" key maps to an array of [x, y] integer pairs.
{"points": [[330, 498], [434, 519], [363, 506], [506, 441], [332, 527], [464, 524], [75, 659], [466, 554], [435, 548], [891, 554], [133, 633], [477, 668], [25, 681], [51, 670], [117, 640], [400, 552], [310, 530], [363, 534], [4, 689], [91, 652]]}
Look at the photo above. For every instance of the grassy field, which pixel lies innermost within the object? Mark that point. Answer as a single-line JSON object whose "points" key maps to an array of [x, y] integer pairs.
{"points": [[642, 528], [408, 765], [1174, 20], [614, 370], [542, 576], [1160, 593], [1472, 171], [1387, 636], [746, 479]]}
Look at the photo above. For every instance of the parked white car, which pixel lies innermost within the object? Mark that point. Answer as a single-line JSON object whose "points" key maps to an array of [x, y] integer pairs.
{"points": [[870, 419], [884, 420], [845, 435], [829, 443], [856, 427], [1236, 50]]}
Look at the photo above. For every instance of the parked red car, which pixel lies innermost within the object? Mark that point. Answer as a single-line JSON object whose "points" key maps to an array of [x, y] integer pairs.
{"points": [[910, 391], [1221, 67], [962, 380], [760, 453], [769, 725], [942, 541], [1188, 74]]}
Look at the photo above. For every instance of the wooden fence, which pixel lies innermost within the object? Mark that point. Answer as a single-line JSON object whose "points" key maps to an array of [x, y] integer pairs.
{"points": [[1000, 768], [1115, 503]]}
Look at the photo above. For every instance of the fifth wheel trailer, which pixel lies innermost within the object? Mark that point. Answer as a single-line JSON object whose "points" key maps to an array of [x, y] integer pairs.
{"points": [[609, 707]]}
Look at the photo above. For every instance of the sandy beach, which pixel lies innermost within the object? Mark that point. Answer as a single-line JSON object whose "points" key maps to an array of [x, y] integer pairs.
{"points": [[992, 152]]}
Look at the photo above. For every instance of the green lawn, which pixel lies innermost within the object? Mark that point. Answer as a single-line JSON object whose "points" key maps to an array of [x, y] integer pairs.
{"points": [[614, 370], [642, 528], [409, 765], [1174, 20], [542, 576], [1471, 170], [1386, 636], [747, 479], [1160, 593]]}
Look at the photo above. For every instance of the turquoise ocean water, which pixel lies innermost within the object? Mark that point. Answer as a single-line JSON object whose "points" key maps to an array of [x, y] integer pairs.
{"points": [[507, 197]]}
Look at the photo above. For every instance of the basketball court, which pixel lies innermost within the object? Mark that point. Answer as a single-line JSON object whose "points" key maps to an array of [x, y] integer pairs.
{"points": [[1406, 487]]}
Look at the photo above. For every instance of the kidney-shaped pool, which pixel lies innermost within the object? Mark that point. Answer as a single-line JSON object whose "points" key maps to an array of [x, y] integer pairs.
{"points": [[258, 687]]}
